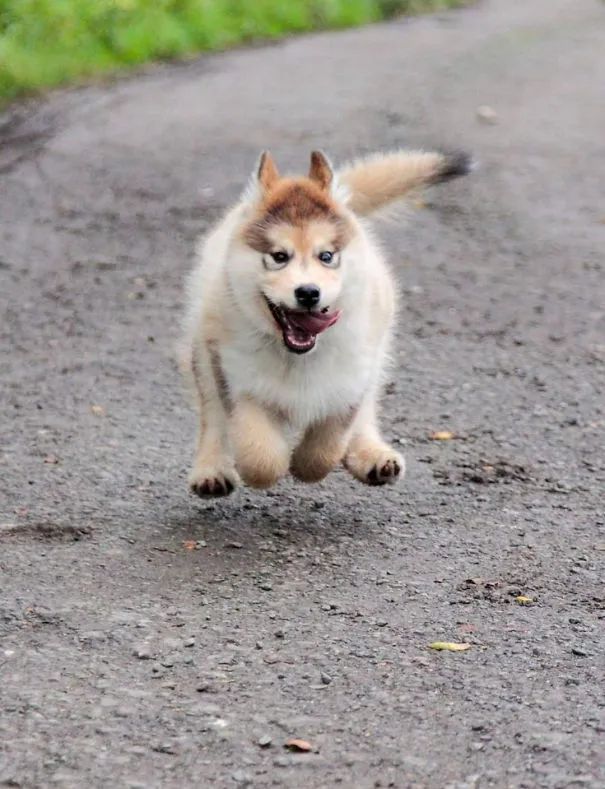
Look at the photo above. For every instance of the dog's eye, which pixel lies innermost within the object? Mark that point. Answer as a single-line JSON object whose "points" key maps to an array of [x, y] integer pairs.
{"points": [[328, 258], [280, 257], [276, 260]]}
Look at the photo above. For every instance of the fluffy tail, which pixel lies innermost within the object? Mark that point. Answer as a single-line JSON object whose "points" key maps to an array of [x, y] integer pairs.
{"points": [[374, 182]]}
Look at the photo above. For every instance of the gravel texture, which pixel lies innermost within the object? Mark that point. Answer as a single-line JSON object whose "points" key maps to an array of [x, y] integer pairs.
{"points": [[151, 640]]}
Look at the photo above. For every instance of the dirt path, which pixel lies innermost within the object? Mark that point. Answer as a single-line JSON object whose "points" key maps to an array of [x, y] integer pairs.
{"points": [[150, 640]]}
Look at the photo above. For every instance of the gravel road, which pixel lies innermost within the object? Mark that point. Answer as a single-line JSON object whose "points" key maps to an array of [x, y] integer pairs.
{"points": [[148, 639]]}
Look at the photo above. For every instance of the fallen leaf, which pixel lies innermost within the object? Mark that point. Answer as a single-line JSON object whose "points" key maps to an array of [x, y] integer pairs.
{"points": [[294, 744], [449, 646], [523, 599], [190, 545], [442, 435], [97, 410]]}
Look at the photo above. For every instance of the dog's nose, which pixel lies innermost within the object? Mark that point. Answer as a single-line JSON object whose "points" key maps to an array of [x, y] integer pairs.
{"points": [[307, 295]]}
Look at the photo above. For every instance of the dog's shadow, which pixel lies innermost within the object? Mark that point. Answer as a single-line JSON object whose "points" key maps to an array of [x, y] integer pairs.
{"points": [[256, 531]]}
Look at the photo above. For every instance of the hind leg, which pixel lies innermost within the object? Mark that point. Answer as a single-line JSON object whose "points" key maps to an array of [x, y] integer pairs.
{"points": [[368, 458], [213, 472]]}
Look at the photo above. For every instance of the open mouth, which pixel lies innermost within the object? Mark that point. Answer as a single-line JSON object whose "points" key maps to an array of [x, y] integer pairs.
{"points": [[301, 327]]}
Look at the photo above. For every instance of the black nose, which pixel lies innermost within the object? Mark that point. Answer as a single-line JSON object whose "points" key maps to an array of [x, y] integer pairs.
{"points": [[307, 295]]}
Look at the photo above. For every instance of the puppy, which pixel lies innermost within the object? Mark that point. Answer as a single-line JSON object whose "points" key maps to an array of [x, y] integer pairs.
{"points": [[290, 312]]}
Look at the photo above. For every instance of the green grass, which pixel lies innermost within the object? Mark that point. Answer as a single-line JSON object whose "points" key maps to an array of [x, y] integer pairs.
{"points": [[44, 43]]}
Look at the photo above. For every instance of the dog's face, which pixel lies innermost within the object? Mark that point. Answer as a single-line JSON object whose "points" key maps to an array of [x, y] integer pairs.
{"points": [[295, 243]]}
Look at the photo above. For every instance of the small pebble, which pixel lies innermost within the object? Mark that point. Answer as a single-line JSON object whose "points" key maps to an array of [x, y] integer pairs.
{"points": [[189, 642], [487, 114], [264, 741], [266, 586], [325, 678]]}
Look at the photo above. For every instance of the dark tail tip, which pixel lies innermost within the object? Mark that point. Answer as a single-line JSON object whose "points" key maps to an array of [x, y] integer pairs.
{"points": [[455, 164]]}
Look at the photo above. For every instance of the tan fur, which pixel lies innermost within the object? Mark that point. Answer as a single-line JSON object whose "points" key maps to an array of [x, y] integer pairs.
{"points": [[268, 173], [262, 452], [320, 170], [322, 448], [367, 451], [294, 202], [378, 180]]}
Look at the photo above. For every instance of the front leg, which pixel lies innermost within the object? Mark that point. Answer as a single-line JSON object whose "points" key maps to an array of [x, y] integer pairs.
{"points": [[262, 453], [368, 457], [213, 472], [322, 448]]}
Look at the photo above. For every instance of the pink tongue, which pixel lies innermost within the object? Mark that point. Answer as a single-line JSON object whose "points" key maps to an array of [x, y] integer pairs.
{"points": [[313, 322]]}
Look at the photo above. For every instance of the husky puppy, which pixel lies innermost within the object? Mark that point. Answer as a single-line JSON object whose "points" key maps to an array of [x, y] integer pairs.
{"points": [[291, 309]]}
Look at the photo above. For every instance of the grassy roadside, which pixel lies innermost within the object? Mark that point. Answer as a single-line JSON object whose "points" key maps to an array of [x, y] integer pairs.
{"points": [[44, 43]]}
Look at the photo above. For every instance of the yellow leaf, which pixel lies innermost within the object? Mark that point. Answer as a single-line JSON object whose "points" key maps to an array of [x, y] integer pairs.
{"points": [[97, 410], [449, 646], [442, 435], [524, 600], [296, 744]]}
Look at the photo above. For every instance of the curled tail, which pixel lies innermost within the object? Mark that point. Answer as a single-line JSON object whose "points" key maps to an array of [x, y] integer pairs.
{"points": [[374, 182]]}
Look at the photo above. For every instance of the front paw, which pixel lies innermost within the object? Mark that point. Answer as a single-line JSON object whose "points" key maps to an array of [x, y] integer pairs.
{"points": [[207, 481], [376, 465]]}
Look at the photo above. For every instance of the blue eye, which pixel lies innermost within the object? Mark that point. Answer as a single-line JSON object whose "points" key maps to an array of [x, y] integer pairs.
{"points": [[326, 257]]}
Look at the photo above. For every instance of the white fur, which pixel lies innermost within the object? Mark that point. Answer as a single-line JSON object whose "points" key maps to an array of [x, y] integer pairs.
{"points": [[347, 360], [289, 394]]}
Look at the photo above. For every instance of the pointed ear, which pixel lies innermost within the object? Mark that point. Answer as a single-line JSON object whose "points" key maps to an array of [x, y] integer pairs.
{"points": [[268, 173], [320, 170]]}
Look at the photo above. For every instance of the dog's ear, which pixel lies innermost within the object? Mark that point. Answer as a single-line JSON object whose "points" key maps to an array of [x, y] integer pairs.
{"points": [[320, 170], [268, 173]]}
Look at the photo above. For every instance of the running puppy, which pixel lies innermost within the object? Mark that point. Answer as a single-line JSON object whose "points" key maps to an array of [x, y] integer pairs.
{"points": [[291, 308]]}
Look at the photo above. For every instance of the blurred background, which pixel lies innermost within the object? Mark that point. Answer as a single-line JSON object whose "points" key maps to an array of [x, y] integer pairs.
{"points": [[49, 42]]}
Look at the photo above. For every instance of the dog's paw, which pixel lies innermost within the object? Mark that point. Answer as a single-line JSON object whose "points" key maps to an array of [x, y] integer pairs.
{"points": [[208, 482], [379, 465]]}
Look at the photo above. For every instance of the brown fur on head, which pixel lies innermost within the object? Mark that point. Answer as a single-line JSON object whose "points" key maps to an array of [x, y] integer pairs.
{"points": [[293, 236], [297, 203]]}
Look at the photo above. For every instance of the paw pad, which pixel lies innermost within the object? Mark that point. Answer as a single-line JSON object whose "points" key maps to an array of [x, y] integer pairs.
{"points": [[213, 486], [388, 472]]}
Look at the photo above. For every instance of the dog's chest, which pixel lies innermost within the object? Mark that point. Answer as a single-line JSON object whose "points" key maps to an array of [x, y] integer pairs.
{"points": [[328, 381]]}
